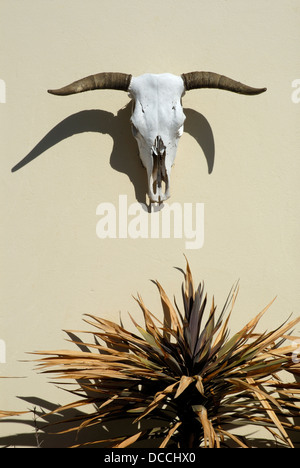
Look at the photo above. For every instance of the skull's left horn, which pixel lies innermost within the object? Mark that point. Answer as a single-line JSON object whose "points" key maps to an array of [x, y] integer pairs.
{"points": [[110, 80], [201, 79]]}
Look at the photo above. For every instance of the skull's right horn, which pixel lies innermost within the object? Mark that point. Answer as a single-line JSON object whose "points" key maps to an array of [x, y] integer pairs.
{"points": [[202, 79], [110, 80]]}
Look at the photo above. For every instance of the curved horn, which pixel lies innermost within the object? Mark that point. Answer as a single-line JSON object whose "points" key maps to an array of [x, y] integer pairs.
{"points": [[203, 79], [110, 80]]}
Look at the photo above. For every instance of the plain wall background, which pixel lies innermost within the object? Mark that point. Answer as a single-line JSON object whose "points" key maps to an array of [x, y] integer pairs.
{"points": [[53, 267]]}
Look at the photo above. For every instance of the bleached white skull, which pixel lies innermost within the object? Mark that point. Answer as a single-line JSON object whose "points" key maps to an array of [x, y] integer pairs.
{"points": [[157, 124], [157, 118]]}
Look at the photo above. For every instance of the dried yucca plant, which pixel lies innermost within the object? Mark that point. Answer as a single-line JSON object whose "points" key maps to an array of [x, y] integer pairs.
{"points": [[184, 382], [7, 414]]}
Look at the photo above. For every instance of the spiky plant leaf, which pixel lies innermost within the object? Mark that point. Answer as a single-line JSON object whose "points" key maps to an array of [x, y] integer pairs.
{"points": [[7, 414], [183, 380]]}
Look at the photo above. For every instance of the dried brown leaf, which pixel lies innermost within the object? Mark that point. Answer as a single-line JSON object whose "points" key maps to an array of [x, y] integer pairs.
{"points": [[129, 441], [170, 433], [185, 381]]}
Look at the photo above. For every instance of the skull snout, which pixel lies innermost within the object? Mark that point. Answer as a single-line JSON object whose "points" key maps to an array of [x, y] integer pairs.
{"points": [[158, 147], [159, 173]]}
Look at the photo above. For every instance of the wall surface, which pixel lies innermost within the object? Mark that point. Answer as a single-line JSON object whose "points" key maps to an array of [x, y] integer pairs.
{"points": [[238, 156]]}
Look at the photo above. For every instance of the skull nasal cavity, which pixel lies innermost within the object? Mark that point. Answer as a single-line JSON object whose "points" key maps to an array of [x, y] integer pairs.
{"points": [[158, 147]]}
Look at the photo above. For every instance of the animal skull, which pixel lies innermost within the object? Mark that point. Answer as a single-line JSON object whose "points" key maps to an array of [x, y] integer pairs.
{"points": [[157, 118], [157, 124]]}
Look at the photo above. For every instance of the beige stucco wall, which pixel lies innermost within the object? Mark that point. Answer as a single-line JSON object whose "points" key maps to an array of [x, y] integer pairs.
{"points": [[239, 157]]}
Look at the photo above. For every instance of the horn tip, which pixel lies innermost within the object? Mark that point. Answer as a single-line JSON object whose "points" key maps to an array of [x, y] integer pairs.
{"points": [[61, 91], [253, 91], [53, 91]]}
